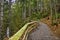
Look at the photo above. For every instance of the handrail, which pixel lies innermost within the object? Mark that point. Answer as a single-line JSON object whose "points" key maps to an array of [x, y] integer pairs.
{"points": [[18, 35], [28, 30]]}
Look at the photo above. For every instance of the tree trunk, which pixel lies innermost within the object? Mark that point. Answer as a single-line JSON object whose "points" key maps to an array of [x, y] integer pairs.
{"points": [[1, 17], [55, 10], [51, 12], [29, 8], [24, 10], [9, 18]]}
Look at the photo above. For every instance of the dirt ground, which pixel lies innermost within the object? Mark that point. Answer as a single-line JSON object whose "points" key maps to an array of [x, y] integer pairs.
{"points": [[55, 29]]}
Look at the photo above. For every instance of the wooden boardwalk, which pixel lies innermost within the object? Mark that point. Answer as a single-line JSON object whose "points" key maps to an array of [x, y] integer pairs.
{"points": [[42, 32]]}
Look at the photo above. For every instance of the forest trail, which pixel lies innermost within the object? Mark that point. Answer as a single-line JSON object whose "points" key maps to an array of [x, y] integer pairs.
{"points": [[42, 32]]}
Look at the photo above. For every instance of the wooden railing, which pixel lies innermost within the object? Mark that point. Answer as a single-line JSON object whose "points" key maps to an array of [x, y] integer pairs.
{"points": [[22, 34]]}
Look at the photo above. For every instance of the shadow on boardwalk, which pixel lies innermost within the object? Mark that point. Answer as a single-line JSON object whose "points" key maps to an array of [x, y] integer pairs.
{"points": [[42, 32]]}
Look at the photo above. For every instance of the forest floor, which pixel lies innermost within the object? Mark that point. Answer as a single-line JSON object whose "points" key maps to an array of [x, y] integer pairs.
{"points": [[55, 29]]}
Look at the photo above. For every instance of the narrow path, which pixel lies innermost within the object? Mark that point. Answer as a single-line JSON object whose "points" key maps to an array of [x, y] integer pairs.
{"points": [[42, 33]]}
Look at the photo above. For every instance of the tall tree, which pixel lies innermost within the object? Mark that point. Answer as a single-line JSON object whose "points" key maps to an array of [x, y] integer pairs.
{"points": [[1, 17], [9, 18], [51, 11], [55, 2], [24, 9]]}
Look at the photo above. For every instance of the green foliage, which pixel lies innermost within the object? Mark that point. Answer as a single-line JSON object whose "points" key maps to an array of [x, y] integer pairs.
{"points": [[18, 35], [45, 15], [35, 10]]}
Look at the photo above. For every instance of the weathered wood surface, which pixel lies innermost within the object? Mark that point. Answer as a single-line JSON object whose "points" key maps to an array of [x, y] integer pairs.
{"points": [[42, 32]]}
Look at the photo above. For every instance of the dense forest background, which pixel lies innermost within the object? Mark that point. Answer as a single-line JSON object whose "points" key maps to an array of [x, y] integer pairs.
{"points": [[13, 15]]}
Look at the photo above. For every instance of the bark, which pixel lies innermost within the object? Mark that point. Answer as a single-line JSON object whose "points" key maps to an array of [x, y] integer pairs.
{"points": [[9, 18], [29, 9], [1, 17], [24, 10], [51, 11], [55, 10]]}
